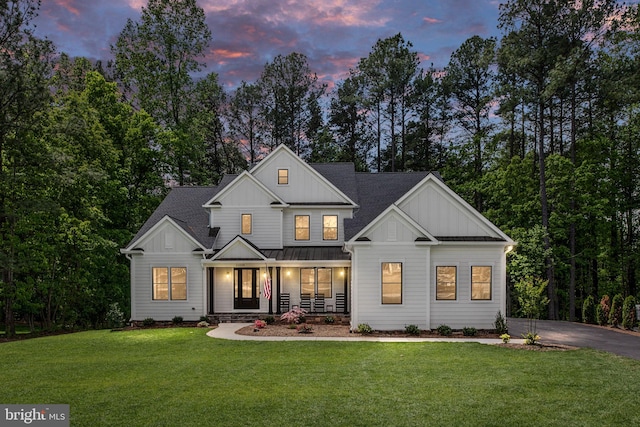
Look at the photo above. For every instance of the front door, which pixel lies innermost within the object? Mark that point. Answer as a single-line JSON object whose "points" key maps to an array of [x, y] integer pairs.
{"points": [[246, 294]]}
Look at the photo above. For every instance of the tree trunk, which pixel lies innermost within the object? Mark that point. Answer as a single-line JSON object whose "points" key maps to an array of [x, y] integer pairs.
{"points": [[551, 291]]}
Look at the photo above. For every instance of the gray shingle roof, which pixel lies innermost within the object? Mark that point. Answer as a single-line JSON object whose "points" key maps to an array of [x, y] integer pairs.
{"points": [[376, 192], [372, 192], [342, 175], [184, 206]]}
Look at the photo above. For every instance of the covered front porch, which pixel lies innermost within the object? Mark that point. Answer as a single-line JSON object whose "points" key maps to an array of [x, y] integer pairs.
{"points": [[316, 279]]}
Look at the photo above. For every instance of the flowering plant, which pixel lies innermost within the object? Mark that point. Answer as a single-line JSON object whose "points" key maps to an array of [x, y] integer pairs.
{"points": [[259, 324], [505, 338], [295, 315]]}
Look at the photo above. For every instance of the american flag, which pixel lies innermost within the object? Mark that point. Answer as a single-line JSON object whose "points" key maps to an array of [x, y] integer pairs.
{"points": [[267, 286]]}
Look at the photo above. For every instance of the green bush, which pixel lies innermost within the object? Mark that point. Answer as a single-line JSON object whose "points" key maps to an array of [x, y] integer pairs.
{"points": [[329, 320], [444, 330], [531, 338], [364, 328], [615, 315], [177, 320], [469, 332], [500, 324], [148, 321], [412, 329], [589, 310], [270, 320], [204, 319], [605, 309], [600, 318], [629, 312]]}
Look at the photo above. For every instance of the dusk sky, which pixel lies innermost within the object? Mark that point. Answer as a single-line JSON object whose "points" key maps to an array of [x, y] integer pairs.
{"points": [[333, 34]]}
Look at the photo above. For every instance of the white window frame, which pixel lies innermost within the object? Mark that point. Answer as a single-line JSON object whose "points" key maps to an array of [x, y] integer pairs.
{"points": [[402, 282], [169, 283]]}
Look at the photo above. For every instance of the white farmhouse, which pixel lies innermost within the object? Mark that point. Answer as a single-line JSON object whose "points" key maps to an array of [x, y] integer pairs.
{"points": [[390, 249]]}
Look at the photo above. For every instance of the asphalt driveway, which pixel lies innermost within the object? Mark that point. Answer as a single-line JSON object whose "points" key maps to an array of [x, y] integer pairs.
{"points": [[580, 335]]}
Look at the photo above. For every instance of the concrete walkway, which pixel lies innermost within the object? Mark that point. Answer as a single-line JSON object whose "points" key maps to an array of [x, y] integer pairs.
{"points": [[227, 331], [580, 335]]}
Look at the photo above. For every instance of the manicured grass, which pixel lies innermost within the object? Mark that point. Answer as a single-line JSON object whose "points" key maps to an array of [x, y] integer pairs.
{"points": [[180, 377]]}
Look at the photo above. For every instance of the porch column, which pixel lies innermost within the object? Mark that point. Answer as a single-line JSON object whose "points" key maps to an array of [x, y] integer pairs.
{"points": [[346, 288], [271, 299], [278, 291], [210, 276]]}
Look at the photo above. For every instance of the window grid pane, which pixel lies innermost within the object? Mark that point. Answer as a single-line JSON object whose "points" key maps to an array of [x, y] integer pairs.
{"points": [[481, 282], [324, 282], [246, 223], [283, 176], [160, 283], [307, 281], [391, 283], [330, 227], [302, 227], [179, 283], [446, 282]]}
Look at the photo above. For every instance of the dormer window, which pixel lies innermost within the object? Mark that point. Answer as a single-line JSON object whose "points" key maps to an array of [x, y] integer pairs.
{"points": [[283, 176]]}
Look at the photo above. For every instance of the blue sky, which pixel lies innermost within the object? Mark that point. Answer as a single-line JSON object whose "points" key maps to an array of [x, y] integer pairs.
{"points": [[333, 34]]}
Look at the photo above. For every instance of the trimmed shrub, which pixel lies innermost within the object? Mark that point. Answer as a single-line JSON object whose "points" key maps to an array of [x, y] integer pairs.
{"points": [[270, 320], [605, 308], [469, 332], [589, 310], [600, 318], [148, 321], [500, 324], [177, 320], [204, 319], [615, 315], [629, 312], [412, 329], [444, 330], [329, 320]]}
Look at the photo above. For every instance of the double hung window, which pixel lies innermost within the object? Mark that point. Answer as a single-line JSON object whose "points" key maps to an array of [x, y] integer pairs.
{"points": [[169, 283]]}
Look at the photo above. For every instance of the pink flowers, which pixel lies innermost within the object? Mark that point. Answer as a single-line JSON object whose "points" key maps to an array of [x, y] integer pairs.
{"points": [[259, 324], [295, 315]]}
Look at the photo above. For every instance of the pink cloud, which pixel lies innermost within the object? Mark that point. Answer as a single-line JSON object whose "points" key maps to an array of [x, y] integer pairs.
{"points": [[429, 20], [68, 5]]}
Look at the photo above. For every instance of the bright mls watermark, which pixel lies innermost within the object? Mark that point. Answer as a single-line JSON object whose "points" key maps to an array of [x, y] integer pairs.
{"points": [[34, 415]]}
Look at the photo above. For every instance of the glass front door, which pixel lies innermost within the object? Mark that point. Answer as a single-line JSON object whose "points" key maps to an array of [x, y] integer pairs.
{"points": [[246, 295]]}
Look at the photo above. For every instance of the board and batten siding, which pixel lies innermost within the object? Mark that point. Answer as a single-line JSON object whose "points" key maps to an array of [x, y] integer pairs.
{"points": [[367, 293], [442, 215], [266, 227], [305, 185], [463, 312]]}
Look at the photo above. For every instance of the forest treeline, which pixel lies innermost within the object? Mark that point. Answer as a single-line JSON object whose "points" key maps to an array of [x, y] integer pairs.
{"points": [[539, 130]]}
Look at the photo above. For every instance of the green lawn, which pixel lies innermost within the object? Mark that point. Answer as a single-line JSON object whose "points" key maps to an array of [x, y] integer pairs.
{"points": [[180, 377]]}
